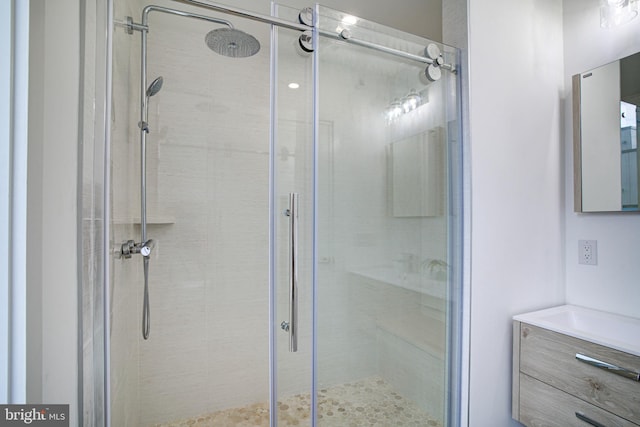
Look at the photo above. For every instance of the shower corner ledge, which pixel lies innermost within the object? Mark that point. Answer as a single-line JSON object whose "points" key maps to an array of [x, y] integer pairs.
{"points": [[152, 220]]}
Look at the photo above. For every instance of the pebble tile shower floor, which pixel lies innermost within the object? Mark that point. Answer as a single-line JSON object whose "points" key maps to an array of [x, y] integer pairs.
{"points": [[370, 402]]}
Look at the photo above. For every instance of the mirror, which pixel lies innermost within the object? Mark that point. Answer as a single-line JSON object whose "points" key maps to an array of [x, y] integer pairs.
{"points": [[606, 112], [418, 180]]}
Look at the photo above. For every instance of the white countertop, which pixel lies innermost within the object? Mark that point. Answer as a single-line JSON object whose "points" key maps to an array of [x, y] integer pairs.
{"points": [[411, 281], [600, 327]]}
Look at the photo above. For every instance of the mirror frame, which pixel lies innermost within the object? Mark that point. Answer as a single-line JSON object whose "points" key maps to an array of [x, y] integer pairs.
{"points": [[577, 145]]}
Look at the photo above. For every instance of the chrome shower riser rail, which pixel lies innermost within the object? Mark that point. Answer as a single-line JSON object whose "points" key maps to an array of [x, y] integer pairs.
{"points": [[144, 99], [130, 26]]}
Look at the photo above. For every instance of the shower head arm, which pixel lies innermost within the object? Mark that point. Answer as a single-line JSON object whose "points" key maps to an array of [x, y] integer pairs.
{"points": [[153, 8], [272, 20]]}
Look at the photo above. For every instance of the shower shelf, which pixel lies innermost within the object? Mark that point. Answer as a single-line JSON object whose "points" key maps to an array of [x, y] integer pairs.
{"points": [[157, 220]]}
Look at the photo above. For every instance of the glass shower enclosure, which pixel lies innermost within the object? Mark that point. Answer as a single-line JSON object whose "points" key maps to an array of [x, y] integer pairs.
{"points": [[274, 222]]}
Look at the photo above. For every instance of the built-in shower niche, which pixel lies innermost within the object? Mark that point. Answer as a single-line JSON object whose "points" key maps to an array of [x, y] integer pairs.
{"points": [[417, 174]]}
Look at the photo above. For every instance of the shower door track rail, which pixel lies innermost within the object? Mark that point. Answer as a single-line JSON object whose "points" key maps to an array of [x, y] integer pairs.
{"points": [[302, 27], [293, 26], [391, 51]]}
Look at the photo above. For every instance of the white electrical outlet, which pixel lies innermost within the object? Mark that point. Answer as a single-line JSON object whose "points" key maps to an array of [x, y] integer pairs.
{"points": [[588, 252]]}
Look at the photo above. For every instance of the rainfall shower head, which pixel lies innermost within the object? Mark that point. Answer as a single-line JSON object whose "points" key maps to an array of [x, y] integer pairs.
{"points": [[155, 87], [231, 42]]}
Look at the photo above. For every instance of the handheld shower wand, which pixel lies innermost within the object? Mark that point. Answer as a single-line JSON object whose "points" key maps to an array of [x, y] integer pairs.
{"points": [[153, 89], [148, 245]]}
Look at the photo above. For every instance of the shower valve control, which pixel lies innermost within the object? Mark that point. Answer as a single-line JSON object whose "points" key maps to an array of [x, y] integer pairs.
{"points": [[130, 247], [145, 251]]}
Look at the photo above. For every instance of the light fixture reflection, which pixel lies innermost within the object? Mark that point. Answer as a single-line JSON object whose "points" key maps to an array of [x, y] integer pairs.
{"points": [[405, 105], [349, 20], [395, 110], [617, 12], [293, 85], [411, 101]]}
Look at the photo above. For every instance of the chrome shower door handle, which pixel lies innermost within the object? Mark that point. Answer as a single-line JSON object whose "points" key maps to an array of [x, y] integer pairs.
{"points": [[292, 213]]}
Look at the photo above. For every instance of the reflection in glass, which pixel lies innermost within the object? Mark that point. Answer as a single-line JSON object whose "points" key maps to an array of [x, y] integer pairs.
{"points": [[629, 160]]}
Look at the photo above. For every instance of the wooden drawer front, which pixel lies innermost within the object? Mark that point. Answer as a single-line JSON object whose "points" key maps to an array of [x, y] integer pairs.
{"points": [[551, 358], [544, 406]]}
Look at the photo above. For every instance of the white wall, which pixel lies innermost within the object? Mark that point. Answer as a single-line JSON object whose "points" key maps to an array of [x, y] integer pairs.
{"points": [[59, 225], [53, 147], [518, 196], [612, 285], [14, 93], [34, 201], [6, 42]]}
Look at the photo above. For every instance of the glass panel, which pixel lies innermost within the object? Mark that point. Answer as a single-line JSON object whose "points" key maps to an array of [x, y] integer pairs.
{"points": [[125, 286], [293, 163], [93, 258], [385, 236], [209, 163], [218, 187], [208, 191]]}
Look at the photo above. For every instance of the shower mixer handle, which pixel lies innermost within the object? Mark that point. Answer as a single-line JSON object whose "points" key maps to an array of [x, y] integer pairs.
{"points": [[147, 247]]}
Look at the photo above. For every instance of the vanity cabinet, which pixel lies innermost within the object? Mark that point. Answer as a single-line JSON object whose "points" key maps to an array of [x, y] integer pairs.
{"points": [[563, 381]]}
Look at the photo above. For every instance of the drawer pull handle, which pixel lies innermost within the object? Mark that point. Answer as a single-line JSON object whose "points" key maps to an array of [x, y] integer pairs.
{"points": [[623, 372], [583, 417]]}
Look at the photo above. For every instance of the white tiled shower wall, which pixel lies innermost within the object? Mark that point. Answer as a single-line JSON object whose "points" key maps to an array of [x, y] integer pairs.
{"points": [[125, 291], [208, 202], [207, 206]]}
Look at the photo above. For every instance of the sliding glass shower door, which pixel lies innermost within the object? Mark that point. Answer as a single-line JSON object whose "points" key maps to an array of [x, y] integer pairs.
{"points": [[387, 217], [300, 185], [228, 139], [292, 211]]}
